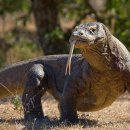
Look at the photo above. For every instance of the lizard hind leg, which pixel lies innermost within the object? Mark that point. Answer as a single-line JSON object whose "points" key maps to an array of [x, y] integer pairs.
{"points": [[32, 94]]}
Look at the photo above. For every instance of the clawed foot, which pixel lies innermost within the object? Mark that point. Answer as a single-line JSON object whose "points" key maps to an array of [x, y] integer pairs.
{"points": [[39, 123], [36, 123], [72, 121]]}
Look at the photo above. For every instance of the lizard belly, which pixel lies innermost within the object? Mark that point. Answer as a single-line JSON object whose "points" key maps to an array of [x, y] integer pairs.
{"points": [[94, 103], [101, 95]]}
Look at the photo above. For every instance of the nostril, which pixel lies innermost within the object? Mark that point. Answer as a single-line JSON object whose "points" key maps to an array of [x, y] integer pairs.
{"points": [[81, 33]]}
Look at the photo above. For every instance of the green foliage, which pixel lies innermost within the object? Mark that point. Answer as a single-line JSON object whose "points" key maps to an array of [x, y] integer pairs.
{"points": [[11, 6], [2, 61], [54, 35], [17, 103], [23, 50], [54, 41], [73, 9], [120, 9]]}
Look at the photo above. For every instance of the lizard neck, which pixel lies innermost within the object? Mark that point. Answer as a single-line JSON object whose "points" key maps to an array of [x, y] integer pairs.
{"points": [[107, 56], [95, 56]]}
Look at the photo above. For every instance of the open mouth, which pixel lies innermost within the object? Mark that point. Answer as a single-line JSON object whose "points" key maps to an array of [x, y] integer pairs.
{"points": [[83, 43], [77, 39], [80, 42]]}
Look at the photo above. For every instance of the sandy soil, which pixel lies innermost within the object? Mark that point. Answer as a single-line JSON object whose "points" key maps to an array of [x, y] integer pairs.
{"points": [[115, 117]]}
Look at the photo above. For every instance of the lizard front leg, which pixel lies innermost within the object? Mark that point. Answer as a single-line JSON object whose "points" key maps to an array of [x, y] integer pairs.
{"points": [[32, 94], [68, 101]]}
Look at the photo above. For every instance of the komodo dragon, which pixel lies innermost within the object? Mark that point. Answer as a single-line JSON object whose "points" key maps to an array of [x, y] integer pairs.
{"points": [[97, 78]]}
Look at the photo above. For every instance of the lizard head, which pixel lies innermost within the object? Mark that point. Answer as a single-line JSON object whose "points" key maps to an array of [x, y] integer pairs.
{"points": [[86, 36]]}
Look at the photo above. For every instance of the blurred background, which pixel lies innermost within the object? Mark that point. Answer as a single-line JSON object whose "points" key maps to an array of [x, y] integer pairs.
{"points": [[30, 28]]}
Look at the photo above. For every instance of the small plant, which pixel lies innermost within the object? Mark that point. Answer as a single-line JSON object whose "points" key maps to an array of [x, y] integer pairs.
{"points": [[17, 103]]}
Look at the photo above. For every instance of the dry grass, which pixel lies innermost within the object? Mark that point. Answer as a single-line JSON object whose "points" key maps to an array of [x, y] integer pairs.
{"points": [[115, 117]]}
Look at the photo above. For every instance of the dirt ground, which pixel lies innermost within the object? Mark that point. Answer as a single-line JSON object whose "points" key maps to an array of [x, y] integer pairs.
{"points": [[115, 117]]}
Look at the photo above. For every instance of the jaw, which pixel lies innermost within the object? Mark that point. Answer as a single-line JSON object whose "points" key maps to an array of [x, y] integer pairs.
{"points": [[84, 44]]}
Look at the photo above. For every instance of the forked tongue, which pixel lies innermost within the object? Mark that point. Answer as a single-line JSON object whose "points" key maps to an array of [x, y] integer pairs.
{"points": [[68, 65]]}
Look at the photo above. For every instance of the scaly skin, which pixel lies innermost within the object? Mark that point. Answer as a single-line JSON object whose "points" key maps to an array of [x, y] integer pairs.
{"points": [[13, 77], [97, 78]]}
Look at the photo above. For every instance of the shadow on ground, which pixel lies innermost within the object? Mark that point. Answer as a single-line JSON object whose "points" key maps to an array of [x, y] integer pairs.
{"points": [[53, 123]]}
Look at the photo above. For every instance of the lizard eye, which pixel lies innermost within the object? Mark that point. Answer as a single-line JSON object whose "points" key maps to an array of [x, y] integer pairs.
{"points": [[92, 29]]}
